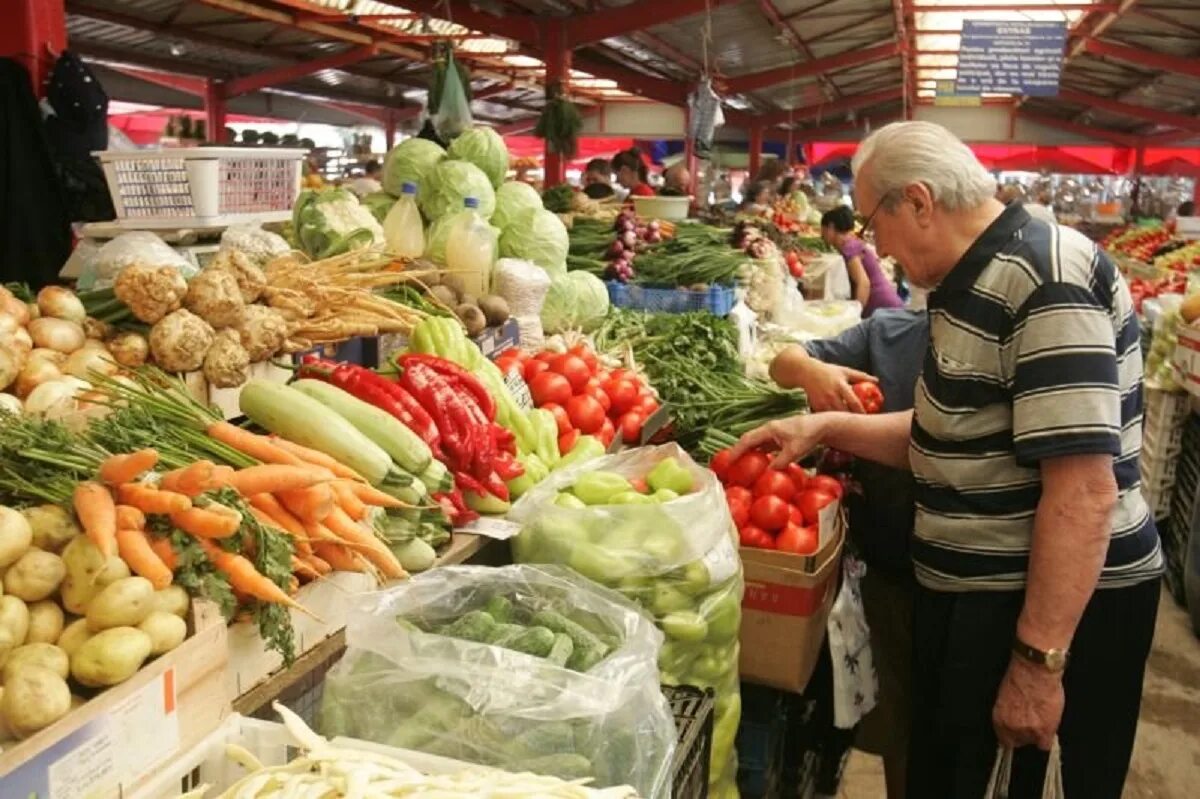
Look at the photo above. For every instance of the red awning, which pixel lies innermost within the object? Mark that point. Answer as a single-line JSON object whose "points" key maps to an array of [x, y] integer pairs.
{"points": [[589, 147], [1181, 161]]}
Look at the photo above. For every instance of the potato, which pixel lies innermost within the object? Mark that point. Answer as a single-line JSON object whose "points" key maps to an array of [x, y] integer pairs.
{"points": [[45, 656], [34, 698], [87, 573], [35, 576], [166, 631], [124, 603], [110, 657], [7, 644], [45, 622], [77, 702], [52, 527], [5, 733], [14, 617], [73, 636], [173, 599], [15, 536]]}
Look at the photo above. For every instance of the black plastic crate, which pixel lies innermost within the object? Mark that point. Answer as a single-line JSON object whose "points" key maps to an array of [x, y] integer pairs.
{"points": [[1176, 532], [693, 712], [760, 740]]}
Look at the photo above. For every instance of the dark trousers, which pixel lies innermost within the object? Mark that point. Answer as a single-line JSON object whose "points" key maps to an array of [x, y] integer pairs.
{"points": [[962, 647]]}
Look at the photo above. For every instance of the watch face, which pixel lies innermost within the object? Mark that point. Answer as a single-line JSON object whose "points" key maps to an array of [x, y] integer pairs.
{"points": [[1056, 659]]}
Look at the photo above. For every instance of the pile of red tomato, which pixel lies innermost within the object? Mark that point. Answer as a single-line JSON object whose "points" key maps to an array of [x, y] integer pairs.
{"points": [[585, 398], [774, 508]]}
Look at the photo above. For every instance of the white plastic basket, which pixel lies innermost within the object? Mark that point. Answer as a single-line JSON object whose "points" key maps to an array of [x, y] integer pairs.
{"points": [[186, 186], [1158, 482]]}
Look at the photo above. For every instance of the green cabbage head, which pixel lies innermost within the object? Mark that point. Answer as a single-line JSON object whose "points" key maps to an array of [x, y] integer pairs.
{"points": [[512, 199], [410, 161], [484, 148], [575, 300], [539, 236], [450, 184]]}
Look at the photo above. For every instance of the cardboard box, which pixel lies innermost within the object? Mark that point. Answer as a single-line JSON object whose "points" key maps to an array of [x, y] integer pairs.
{"points": [[786, 606], [1187, 358]]}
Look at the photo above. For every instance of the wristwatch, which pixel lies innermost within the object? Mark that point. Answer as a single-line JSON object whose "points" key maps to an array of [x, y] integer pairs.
{"points": [[1053, 660]]}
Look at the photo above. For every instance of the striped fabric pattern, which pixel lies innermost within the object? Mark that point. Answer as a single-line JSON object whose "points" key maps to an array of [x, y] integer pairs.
{"points": [[1033, 354]]}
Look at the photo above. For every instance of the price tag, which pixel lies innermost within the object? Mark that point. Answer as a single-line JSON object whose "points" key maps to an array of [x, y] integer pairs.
{"points": [[491, 527], [519, 389]]}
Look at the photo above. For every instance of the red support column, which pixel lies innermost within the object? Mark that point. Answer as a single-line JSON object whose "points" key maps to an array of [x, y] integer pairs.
{"points": [[790, 143], [389, 129], [34, 33], [689, 153], [558, 68], [214, 110], [756, 145]]}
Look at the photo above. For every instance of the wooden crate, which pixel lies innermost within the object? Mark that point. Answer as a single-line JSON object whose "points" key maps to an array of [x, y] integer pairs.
{"points": [[226, 399], [107, 747]]}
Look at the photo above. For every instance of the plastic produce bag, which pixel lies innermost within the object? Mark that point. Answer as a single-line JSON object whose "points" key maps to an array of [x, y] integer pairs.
{"points": [[677, 559], [487, 704], [855, 685], [136, 247], [453, 113]]}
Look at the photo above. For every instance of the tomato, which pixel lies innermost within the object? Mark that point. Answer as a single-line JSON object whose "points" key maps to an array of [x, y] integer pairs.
{"points": [[623, 393], [550, 387], [646, 406], [746, 469], [566, 441], [794, 515], [767, 541], [738, 494], [630, 425], [824, 483], [515, 354], [560, 417], [769, 512], [621, 374], [574, 369], [584, 353], [506, 365], [797, 538], [720, 464], [810, 503], [587, 415], [597, 393], [639, 485], [607, 433], [533, 368], [546, 356], [751, 536], [869, 395], [740, 511], [776, 483], [798, 475]]}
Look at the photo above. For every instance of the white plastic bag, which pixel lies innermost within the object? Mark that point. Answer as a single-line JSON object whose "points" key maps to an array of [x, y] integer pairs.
{"points": [[1052, 784], [135, 247], [522, 284], [855, 686], [495, 706]]}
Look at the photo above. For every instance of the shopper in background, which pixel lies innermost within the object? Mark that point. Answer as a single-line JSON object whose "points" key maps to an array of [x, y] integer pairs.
{"points": [[757, 198], [889, 347], [771, 172], [631, 172], [677, 181], [597, 179], [1036, 557], [368, 182], [869, 285]]}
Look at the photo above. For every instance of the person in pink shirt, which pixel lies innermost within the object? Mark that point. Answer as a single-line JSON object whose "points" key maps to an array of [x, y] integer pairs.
{"points": [[869, 285]]}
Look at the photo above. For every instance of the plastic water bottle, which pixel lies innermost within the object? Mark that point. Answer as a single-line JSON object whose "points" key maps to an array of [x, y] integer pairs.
{"points": [[402, 228], [470, 251]]}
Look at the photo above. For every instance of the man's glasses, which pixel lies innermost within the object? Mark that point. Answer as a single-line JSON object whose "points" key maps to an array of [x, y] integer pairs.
{"points": [[866, 225]]}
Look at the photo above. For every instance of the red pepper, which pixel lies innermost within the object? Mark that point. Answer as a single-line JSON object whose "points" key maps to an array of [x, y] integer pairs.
{"points": [[455, 507], [508, 467], [466, 482], [495, 485], [459, 376], [448, 410]]}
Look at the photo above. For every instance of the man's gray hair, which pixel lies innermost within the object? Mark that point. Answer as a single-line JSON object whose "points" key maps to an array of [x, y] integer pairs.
{"points": [[904, 153]]}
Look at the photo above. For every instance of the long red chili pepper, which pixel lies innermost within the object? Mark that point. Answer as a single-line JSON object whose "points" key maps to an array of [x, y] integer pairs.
{"points": [[459, 375], [446, 407]]}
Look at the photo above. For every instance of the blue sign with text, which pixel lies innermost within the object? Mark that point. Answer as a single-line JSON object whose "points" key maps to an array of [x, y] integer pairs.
{"points": [[1011, 57]]}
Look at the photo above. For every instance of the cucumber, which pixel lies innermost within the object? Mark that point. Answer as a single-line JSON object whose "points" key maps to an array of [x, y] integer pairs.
{"points": [[406, 447], [300, 418], [436, 477], [414, 555]]}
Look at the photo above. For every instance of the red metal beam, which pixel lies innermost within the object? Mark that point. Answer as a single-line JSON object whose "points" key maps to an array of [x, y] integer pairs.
{"points": [[621, 21], [1087, 29], [850, 103], [180, 83], [291, 72], [853, 58], [214, 110], [367, 112], [804, 12], [1144, 58], [1181, 121], [1090, 131], [525, 29]]}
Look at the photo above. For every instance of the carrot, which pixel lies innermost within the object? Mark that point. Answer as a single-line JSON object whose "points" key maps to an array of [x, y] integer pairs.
{"points": [[251, 444], [148, 499], [340, 558], [267, 505], [166, 553], [117, 469], [319, 564], [130, 518], [136, 551], [272, 478], [299, 542], [245, 578], [196, 478], [355, 508], [318, 458], [213, 521], [371, 547], [373, 496], [309, 504], [303, 568], [98, 514]]}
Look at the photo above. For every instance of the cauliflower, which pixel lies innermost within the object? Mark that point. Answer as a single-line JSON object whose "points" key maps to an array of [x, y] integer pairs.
{"points": [[150, 292], [250, 278], [180, 340], [227, 364], [254, 243], [214, 296], [332, 222], [263, 331]]}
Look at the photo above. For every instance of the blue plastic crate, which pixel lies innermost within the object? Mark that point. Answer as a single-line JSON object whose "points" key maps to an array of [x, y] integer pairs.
{"points": [[718, 300], [760, 740]]}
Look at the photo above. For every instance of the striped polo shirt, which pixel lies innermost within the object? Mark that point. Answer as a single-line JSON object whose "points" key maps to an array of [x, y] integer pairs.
{"points": [[1033, 353]]}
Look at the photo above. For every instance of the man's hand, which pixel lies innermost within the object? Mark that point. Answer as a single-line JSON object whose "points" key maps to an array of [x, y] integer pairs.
{"points": [[828, 387], [793, 437], [1029, 706]]}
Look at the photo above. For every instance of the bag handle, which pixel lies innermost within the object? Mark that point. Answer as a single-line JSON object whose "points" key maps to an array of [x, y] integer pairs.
{"points": [[1052, 785]]}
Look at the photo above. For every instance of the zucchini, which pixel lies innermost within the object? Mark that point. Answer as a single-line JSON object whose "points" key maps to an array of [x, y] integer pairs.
{"points": [[406, 447], [300, 418], [414, 555], [436, 477]]}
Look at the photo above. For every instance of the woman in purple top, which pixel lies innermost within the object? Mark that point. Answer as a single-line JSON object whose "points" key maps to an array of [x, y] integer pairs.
{"points": [[868, 283]]}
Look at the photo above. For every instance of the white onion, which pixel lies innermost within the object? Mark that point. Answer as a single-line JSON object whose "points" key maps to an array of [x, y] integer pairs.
{"points": [[57, 334], [51, 356], [55, 399], [9, 324], [84, 361], [61, 303], [129, 348], [10, 366], [11, 305], [35, 373], [10, 404], [32, 310]]}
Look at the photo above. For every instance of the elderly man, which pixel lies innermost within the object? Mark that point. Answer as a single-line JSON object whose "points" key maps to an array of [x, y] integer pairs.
{"points": [[676, 181], [1036, 557]]}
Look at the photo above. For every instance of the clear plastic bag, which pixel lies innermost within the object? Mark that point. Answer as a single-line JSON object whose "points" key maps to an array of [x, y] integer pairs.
{"points": [[487, 704], [453, 114], [676, 559], [135, 247]]}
